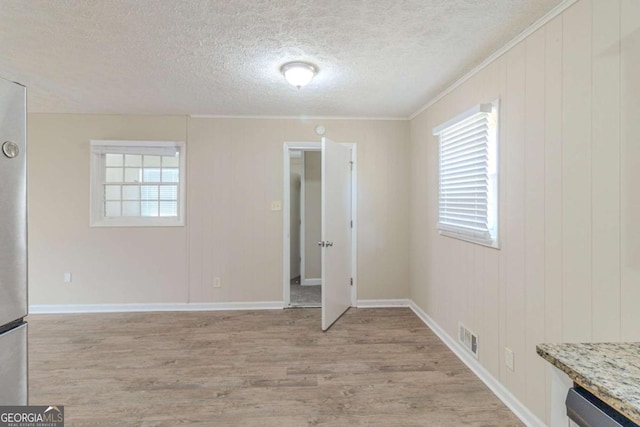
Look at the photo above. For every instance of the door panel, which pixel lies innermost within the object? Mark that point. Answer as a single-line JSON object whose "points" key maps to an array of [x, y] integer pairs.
{"points": [[336, 231], [13, 366], [13, 202]]}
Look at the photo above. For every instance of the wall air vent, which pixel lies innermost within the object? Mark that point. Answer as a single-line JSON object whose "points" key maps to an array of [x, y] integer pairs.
{"points": [[468, 339]]}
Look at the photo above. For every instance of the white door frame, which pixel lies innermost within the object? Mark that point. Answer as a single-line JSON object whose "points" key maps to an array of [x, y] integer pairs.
{"points": [[286, 216]]}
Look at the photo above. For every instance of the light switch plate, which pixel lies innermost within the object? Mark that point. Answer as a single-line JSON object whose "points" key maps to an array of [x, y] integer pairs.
{"points": [[276, 205]]}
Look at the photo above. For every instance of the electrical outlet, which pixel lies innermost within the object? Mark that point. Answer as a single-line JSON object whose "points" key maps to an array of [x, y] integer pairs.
{"points": [[508, 358], [216, 282], [276, 205], [67, 277]]}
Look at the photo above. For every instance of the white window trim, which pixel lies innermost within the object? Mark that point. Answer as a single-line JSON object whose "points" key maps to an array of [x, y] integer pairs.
{"points": [[96, 197], [493, 206]]}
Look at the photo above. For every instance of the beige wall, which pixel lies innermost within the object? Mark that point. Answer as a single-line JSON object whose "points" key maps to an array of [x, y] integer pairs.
{"points": [[234, 171], [109, 265], [569, 264], [312, 214]]}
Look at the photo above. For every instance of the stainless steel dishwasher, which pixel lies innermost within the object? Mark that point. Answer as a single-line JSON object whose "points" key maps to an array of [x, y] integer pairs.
{"points": [[586, 410]]}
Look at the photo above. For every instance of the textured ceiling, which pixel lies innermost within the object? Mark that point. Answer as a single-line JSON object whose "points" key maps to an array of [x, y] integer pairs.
{"points": [[377, 58]]}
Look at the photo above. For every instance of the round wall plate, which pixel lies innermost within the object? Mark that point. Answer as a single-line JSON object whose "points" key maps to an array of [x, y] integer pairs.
{"points": [[10, 149], [320, 130]]}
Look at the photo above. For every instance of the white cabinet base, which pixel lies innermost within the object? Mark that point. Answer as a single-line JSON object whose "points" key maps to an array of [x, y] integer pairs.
{"points": [[560, 385]]}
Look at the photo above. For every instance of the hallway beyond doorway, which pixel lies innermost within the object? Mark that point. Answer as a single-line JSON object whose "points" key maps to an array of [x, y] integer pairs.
{"points": [[305, 296]]}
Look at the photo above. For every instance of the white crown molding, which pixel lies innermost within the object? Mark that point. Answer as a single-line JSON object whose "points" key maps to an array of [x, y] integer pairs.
{"points": [[501, 392], [520, 37], [382, 303], [125, 308], [216, 116]]}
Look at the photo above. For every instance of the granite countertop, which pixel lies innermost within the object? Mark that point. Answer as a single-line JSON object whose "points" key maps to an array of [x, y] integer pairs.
{"points": [[610, 371]]}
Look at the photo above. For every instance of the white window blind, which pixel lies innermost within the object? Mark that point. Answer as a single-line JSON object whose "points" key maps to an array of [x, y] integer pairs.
{"points": [[468, 176], [155, 148]]}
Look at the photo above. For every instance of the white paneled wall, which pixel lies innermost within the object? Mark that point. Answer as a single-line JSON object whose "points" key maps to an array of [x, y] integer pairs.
{"points": [[576, 173], [534, 226], [629, 170], [569, 264], [605, 151]]}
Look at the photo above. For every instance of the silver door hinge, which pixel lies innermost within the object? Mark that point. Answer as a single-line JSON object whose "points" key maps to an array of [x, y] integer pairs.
{"points": [[351, 223], [352, 281], [351, 165]]}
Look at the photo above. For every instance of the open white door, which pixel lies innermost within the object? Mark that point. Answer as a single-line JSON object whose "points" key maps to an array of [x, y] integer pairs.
{"points": [[336, 231]]}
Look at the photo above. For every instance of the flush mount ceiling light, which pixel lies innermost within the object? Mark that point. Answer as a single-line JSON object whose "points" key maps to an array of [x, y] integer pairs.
{"points": [[298, 74]]}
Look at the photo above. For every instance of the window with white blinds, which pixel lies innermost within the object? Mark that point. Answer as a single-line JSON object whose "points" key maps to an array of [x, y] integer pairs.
{"points": [[468, 173], [137, 183]]}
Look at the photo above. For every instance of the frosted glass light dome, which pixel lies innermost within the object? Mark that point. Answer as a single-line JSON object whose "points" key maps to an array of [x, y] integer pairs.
{"points": [[298, 74]]}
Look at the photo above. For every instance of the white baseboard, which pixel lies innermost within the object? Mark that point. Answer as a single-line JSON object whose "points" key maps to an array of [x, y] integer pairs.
{"points": [[501, 392], [123, 308], [382, 303], [311, 282], [205, 306]]}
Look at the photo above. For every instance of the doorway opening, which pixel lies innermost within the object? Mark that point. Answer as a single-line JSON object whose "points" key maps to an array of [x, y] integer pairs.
{"points": [[306, 242], [305, 228]]}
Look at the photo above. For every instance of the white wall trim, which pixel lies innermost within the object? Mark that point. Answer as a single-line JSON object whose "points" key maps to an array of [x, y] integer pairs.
{"points": [[501, 392], [208, 306], [146, 307], [223, 116], [311, 282], [317, 146], [125, 308], [288, 146], [507, 47], [382, 303]]}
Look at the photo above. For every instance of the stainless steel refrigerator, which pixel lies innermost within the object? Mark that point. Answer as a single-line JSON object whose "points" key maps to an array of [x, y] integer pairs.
{"points": [[13, 244]]}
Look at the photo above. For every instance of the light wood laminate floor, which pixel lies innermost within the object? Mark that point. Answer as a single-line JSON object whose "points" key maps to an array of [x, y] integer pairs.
{"points": [[375, 367]]}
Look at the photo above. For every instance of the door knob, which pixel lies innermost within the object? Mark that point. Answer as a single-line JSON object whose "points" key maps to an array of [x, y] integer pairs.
{"points": [[329, 243], [321, 244]]}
